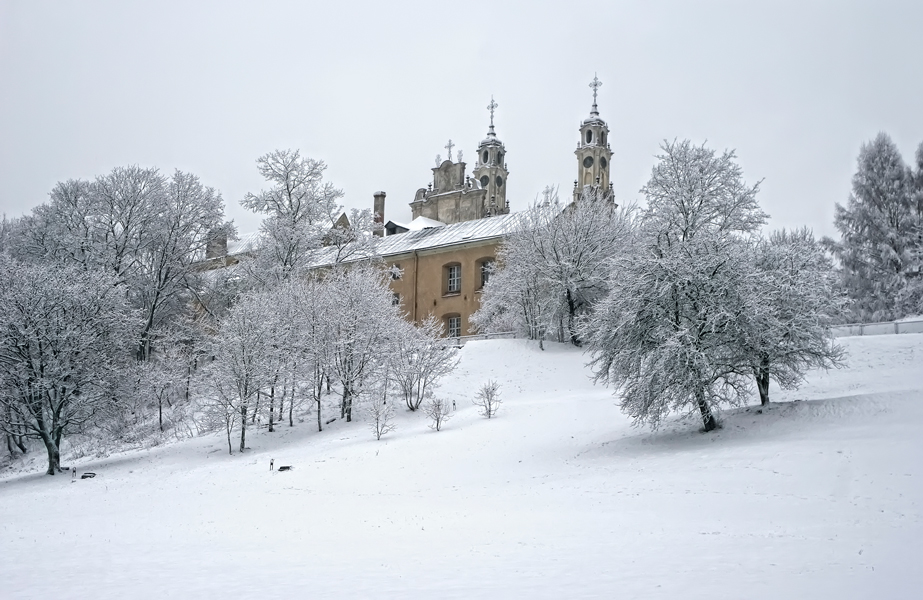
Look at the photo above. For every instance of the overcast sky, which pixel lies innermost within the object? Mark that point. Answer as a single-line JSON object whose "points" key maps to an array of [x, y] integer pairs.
{"points": [[376, 89]]}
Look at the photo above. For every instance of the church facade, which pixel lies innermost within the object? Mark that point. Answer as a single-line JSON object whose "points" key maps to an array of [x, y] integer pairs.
{"points": [[459, 222]]}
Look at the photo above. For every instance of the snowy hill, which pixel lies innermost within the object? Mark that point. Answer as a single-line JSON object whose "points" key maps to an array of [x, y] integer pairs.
{"points": [[557, 497]]}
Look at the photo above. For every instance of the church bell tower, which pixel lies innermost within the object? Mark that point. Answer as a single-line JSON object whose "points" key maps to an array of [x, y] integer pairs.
{"points": [[593, 153], [490, 169]]}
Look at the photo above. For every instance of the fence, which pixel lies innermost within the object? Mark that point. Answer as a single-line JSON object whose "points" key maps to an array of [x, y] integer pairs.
{"points": [[889, 327], [462, 340]]}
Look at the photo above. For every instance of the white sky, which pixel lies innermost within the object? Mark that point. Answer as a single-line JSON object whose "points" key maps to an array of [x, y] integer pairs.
{"points": [[376, 89]]}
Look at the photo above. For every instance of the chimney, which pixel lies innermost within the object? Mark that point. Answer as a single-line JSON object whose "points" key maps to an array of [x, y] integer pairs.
{"points": [[379, 209]]}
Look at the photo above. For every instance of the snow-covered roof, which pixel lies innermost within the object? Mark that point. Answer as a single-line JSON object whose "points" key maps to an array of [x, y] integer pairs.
{"points": [[246, 242], [439, 236], [419, 224]]}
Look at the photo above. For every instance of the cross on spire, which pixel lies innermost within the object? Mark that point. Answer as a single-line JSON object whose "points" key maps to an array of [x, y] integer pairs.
{"points": [[595, 84], [491, 107], [449, 147]]}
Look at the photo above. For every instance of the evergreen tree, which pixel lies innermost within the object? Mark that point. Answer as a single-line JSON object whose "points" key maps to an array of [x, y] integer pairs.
{"points": [[879, 247]]}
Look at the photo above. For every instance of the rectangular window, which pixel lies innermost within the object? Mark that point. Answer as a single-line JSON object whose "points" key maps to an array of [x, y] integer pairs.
{"points": [[395, 299], [453, 279], [396, 271], [454, 326]]}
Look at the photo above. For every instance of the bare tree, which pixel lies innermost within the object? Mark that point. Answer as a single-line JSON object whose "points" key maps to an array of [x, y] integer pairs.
{"points": [[420, 357], [437, 409], [488, 399], [380, 412], [300, 209]]}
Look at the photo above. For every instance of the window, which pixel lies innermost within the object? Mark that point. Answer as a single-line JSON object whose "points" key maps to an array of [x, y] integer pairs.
{"points": [[485, 266], [453, 279], [453, 326], [396, 272], [589, 136], [486, 156], [396, 299]]}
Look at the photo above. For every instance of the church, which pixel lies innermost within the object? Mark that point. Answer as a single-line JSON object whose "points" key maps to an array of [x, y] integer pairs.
{"points": [[443, 255], [459, 221]]}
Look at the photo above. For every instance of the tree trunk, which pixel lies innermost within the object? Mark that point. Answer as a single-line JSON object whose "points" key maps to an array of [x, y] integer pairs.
{"points": [[272, 406], [320, 423], [243, 427], [291, 409], [54, 455], [227, 425], [762, 379], [160, 413], [571, 313], [708, 419]]}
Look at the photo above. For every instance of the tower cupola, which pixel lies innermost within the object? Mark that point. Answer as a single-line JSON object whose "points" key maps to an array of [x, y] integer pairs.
{"points": [[490, 170], [593, 151]]}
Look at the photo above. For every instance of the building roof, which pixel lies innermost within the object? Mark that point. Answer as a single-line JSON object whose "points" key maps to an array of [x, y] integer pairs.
{"points": [[244, 244], [419, 223], [436, 237]]}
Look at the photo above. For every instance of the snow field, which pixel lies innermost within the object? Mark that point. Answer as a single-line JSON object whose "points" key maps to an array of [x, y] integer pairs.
{"points": [[556, 497]]}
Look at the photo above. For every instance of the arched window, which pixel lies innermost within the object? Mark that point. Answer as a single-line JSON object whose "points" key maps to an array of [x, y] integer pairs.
{"points": [[589, 136], [485, 268]]}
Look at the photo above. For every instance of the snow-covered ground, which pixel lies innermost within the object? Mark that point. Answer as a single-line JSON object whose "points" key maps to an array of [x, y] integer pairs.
{"points": [[557, 497]]}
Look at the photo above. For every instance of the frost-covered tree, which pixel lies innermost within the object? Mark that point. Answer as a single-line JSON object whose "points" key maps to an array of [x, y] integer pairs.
{"points": [[488, 399], [355, 239], [667, 334], [419, 357], [555, 266], [879, 250], [187, 216], [362, 320], [300, 209], [793, 302], [65, 339], [437, 409], [380, 414], [242, 358], [315, 341], [518, 296], [146, 230]]}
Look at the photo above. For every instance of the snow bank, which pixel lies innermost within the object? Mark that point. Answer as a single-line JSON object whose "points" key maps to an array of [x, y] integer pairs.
{"points": [[557, 496]]}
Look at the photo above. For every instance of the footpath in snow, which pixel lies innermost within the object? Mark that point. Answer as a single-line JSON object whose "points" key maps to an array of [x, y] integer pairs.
{"points": [[557, 497]]}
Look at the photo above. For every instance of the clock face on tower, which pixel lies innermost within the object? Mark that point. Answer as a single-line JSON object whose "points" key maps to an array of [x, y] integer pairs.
{"points": [[588, 162]]}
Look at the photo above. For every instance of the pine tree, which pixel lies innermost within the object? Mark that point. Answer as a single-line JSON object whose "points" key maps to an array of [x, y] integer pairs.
{"points": [[879, 227]]}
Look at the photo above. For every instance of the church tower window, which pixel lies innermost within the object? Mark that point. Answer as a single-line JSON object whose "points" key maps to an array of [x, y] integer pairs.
{"points": [[589, 136], [484, 181]]}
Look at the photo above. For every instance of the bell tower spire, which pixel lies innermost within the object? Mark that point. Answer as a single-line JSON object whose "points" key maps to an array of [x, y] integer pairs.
{"points": [[490, 170], [593, 151]]}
